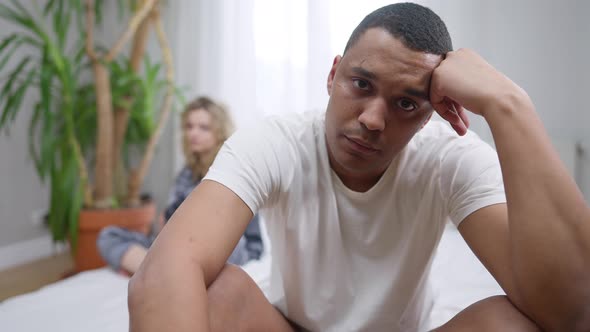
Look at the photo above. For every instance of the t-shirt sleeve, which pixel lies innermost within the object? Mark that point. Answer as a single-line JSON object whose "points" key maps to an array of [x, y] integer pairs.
{"points": [[252, 162], [471, 178]]}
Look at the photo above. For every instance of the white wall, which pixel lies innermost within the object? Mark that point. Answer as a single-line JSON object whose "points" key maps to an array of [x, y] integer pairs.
{"points": [[22, 194], [543, 45], [583, 115]]}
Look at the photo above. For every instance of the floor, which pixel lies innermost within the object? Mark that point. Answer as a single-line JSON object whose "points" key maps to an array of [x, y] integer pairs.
{"points": [[32, 276]]}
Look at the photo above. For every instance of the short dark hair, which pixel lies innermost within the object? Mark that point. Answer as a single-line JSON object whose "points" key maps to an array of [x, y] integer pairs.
{"points": [[418, 27]]}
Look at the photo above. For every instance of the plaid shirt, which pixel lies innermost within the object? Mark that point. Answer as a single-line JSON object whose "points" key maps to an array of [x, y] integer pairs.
{"points": [[184, 185]]}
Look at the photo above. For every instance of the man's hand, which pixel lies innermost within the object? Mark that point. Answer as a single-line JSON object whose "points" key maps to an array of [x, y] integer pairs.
{"points": [[464, 80]]}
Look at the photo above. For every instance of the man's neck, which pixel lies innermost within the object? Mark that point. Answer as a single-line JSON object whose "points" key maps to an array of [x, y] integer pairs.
{"points": [[357, 183], [353, 179]]}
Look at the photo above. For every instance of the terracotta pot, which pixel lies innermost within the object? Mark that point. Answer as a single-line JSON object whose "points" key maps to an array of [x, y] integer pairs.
{"points": [[91, 222]]}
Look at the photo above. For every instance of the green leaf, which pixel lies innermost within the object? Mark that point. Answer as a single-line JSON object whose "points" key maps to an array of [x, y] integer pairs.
{"points": [[48, 7], [98, 10], [14, 102], [6, 41], [33, 124], [178, 92], [71, 185], [79, 9], [74, 217], [57, 206], [20, 7], [65, 108], [121, 9], [66, 174], [64, 23], [6, 91], [46, 77], [68, 82], [11, 49], [59, 24], [47, 148], [9, 14], [19, 16]]}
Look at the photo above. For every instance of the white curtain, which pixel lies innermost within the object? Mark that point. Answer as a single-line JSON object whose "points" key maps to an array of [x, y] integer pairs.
{"points": [[261, 56]]}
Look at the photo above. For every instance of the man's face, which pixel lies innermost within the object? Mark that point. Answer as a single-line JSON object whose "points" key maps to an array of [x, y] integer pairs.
{"points": [[378, 100]]}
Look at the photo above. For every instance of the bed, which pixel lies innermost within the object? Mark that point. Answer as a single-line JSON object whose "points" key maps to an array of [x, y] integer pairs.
{"points": [[97, 300]]}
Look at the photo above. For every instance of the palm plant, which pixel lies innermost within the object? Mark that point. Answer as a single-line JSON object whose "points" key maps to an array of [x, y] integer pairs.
{"points": [[81, 129]]}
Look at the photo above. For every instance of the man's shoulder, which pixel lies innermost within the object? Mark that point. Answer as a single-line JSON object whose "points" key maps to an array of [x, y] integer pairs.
{"points": [[296, 121], [283, 138], [282, 128]]}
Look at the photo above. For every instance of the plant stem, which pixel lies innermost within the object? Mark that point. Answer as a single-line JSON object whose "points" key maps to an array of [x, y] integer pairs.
{"points": [[122, 114], [134, 23], [139, 42], [104, 142], [90, 30], [86, 187], [138, 176]]}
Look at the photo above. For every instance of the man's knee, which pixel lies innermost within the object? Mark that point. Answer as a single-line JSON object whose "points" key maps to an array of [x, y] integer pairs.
{"points": [[495, 313]]}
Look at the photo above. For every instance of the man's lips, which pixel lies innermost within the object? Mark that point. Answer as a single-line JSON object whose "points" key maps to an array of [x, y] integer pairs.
{"points": [[361, 146]]}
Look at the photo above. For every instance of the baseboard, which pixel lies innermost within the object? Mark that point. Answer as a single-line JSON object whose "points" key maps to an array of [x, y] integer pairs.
{"points": [[27, 251]]}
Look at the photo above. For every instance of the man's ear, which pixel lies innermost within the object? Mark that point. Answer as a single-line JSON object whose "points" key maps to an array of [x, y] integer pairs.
{"points": [[427, 119], [333, 73]]}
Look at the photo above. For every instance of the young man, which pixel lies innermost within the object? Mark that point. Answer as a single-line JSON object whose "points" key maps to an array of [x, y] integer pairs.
{"points": [[356, 200]]}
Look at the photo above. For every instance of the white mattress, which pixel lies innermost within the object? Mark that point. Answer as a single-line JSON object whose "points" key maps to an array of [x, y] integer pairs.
{"points": [[97, 300]]}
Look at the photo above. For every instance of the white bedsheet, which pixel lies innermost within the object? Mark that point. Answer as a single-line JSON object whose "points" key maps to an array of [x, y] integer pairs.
{"points": [[97, 300]]}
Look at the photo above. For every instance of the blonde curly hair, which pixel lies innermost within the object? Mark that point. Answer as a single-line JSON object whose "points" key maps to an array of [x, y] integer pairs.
{"points": [[222, 126]]}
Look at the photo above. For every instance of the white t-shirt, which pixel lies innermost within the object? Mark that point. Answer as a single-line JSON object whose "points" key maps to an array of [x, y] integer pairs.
{"points": [[345, 260]]}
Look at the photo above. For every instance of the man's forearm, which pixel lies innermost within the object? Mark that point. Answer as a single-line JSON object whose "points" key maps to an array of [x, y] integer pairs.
{"points": [[548, 218], [153, 290]]}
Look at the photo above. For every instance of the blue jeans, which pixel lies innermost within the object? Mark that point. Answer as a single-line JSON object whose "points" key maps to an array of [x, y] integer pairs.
{"points": [[113, 242]]}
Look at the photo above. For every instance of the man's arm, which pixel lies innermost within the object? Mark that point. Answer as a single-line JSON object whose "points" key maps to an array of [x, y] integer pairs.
{"points": [[537, 245], [185, 259]]}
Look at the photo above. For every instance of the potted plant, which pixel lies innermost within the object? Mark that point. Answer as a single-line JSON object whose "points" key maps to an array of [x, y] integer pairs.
{"points": [[94, 107]]}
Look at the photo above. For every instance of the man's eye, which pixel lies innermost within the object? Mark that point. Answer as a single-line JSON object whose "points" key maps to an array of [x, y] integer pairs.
{"points": [[361, 84], [406, 105]]}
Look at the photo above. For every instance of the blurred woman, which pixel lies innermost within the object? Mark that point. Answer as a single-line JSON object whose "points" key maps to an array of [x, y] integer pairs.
{"points": [[205, 126]]}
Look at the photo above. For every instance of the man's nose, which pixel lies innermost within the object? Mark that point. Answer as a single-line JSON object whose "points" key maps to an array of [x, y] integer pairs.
{"points": [[373, 115]]}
